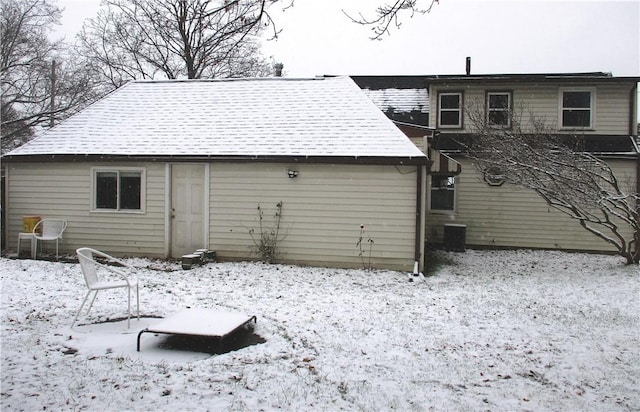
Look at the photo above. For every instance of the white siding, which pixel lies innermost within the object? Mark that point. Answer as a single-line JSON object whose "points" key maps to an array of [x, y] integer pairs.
{"points": [[322, 211], [511, 217], [611, 104], [63, 190]]}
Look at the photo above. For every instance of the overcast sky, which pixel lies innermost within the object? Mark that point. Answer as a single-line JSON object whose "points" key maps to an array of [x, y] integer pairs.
{"points": [[501, 36]]}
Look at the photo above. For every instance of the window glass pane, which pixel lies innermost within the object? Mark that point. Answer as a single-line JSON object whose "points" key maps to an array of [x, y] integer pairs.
{"points": [[499, 101], [442, 182], [450, 118], [450, 101], [442, 200], [106, 190], [130, 185], [576, 118], [499, 118], [576, 99]]}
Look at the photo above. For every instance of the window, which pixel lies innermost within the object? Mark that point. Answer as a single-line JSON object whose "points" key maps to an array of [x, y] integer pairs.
{"points": [[576, 108], [450, 110], [499, 109], [442, 192], [118, 189]]}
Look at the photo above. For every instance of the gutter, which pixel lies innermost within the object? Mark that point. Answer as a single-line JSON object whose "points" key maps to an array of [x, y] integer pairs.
{"points": [[362, 160]]}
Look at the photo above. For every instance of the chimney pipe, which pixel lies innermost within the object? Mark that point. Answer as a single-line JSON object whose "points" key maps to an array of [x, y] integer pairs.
{"points": [[278, 69], [468, 66]]}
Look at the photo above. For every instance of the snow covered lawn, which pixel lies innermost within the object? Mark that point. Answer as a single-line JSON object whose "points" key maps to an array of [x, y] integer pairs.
{"points": [[490, 330]]}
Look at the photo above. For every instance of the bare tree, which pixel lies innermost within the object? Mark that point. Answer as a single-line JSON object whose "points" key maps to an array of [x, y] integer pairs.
{"points": [[569, 179], [35, 90], [388, 15], [147, 39]]}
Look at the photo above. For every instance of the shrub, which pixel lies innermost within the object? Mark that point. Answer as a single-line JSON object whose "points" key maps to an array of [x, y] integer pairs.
{"points": [[265, 239]]}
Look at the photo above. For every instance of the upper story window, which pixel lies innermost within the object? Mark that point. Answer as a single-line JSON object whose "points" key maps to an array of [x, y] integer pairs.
{"points": [[118, 189], [443, 193], [576, 108], [499, 109], [450, 110]]}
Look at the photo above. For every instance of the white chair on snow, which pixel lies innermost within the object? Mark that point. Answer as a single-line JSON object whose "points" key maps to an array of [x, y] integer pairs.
{"points": [[49, 229], [101, 276]]}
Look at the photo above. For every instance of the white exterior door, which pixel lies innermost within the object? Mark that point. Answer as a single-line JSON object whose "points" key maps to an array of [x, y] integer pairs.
{"points": [[188, 217]]}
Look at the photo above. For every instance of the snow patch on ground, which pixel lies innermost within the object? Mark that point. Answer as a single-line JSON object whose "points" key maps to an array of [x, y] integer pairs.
{"points": [[496, 330]]}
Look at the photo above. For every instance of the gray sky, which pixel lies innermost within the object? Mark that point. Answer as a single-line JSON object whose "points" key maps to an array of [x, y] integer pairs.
{"points": [[501, 36]]}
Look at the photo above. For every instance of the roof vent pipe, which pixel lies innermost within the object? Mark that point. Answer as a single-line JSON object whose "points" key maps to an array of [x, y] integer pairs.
{"points": [[468, 66], [278, 69]]}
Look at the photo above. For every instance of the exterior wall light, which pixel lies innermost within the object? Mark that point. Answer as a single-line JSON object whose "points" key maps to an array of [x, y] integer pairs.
{"points": [[292, 173]]}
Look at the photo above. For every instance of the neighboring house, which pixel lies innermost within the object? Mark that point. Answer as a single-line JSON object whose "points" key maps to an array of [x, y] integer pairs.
{"points": [[596, 107], [162, 168]]}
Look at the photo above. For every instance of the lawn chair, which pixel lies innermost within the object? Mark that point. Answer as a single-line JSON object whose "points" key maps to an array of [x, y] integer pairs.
{"points": [[95, 274], [49, 229]]}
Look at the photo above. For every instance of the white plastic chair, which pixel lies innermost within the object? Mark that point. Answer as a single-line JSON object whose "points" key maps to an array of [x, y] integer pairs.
{"points": [[97, 279], [49, 229]]}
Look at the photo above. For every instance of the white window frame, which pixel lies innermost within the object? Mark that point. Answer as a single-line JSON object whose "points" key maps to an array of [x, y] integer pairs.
{"points": [[508, 109], [592, 107], [459, 125], [455, 195], [118, 170]]}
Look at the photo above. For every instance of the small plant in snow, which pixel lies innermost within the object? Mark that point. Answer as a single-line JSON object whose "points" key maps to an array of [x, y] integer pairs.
{"points": [[266, 239], [361, 244]]}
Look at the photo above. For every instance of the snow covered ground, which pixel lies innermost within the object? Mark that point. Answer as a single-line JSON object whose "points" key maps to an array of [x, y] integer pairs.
{"points": [[490, 330]]}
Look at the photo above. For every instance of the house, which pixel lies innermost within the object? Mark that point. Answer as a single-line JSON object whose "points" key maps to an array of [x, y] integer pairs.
{"points": [[597, 107], [162, 168]]}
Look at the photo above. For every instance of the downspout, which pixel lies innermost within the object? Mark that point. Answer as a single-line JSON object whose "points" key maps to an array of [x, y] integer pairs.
{"points": [[633, 131], [633, 107], [418, 251]]}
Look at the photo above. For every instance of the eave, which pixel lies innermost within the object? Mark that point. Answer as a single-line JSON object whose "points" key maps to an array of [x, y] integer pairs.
{"points": [[611, 146], [355, 160]]}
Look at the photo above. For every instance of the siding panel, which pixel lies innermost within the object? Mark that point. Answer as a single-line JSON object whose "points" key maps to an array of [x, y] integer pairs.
{"points": [[611, 104], [322, 212], [63, 190], [512, 217]]}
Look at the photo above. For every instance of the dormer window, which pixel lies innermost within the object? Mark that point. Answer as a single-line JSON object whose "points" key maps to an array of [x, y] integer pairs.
{"points": [[576, 109], [450, 110]]}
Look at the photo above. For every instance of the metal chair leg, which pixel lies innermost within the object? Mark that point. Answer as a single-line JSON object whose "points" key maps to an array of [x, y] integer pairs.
{"points": [[92, 300], [129, 308], [81, 306]]}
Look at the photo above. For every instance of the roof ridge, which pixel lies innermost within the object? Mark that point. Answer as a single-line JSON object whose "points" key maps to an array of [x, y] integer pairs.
{"points": [[232, 79]]}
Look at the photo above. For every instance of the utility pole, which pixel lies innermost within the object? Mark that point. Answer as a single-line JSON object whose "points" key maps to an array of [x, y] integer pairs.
{"points": [[53, 93]]}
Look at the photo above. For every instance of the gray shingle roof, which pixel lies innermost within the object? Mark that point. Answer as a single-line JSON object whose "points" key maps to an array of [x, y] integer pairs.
{"points": [[274, 117]]}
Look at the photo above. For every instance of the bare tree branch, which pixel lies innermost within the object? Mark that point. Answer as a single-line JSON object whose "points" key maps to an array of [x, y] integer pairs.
{"points": [[569, 179], [172, 39], [26, 57], [388, 15]]}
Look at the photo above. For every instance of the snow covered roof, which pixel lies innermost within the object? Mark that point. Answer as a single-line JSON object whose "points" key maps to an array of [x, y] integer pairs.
{"points": [[318, 118], [400, 100]]}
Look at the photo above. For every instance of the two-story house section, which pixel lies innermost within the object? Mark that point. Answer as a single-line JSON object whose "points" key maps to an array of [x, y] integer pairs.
{"points": [[598, 108]]}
